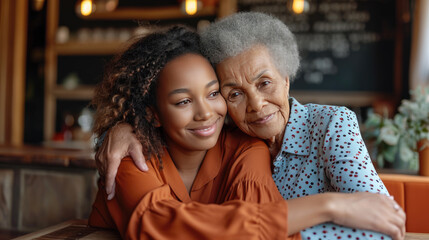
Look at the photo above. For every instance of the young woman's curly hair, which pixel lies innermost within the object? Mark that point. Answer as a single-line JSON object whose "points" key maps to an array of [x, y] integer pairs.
{"points": [[129, 84]]}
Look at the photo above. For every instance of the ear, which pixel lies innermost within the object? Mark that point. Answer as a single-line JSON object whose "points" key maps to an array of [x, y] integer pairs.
{"points": [[287, 85], [152, 117], [287, 82]]}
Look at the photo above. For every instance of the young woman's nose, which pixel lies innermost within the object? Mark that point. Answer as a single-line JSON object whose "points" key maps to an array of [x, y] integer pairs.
{"points": [[204, 111]]}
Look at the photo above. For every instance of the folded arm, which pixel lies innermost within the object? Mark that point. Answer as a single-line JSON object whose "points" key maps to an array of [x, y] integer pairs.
{"points": [[149, 210], [368, 211], [347, 161]]}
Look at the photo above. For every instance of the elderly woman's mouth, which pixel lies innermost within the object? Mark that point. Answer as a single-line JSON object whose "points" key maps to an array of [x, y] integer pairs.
{"points": [[264, 119]]}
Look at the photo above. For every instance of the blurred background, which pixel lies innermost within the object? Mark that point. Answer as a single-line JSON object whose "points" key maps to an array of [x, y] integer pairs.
{"points": [[363, 54]]}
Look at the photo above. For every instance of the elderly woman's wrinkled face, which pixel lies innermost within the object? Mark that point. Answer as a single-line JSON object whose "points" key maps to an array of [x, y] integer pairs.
{"points": [[256, 93]]}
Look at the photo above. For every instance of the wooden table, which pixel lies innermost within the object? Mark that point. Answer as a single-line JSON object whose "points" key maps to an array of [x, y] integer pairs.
{"points": [[78, 229], [38, 155]]}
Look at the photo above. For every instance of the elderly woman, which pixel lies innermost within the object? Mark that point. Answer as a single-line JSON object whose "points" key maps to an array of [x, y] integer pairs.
{"points": [[315, 148]]}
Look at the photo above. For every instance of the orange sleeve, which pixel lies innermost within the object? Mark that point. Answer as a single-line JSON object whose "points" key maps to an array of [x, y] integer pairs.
{"points": [[131, 186], [158, 215], [250, 177], [144, 208]]}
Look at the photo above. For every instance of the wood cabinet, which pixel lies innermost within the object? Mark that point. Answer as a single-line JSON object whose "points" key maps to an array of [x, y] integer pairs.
{"points": [[40, 186], [55, 93]]}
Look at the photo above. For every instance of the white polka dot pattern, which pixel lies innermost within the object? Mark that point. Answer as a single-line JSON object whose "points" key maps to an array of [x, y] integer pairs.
{"points": [[323, 151]]}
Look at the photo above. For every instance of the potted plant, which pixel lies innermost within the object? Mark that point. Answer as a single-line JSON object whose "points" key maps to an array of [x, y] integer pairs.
{"points": [[404, 136]]}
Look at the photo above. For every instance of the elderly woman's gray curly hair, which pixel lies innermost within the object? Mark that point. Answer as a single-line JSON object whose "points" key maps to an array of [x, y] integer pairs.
{"points": [[237, 33]]}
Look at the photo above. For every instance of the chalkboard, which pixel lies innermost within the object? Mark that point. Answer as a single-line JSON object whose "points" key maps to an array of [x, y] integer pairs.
{"points": [[344, 45]]}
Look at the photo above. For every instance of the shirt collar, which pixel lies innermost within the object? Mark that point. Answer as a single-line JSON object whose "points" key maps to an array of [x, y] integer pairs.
{"points": [[211, 165], [208, 171], [173, 179], [296, 137]]}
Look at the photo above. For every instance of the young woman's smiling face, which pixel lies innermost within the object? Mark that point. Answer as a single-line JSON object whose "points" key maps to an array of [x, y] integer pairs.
{"points": [[190, 109]]}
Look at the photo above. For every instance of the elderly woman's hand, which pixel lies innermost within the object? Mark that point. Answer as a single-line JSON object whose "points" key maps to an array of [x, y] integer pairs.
{"points": [[362, 210], [370, 211], [119, 143]]}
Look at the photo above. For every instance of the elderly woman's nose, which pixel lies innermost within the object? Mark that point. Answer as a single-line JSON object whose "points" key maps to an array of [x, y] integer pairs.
{"points": [[203, 111], [255, 102]]}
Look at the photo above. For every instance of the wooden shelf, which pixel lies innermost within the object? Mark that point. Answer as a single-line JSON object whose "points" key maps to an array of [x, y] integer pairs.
{"points": [[69, 145], [346, 98], [79, 93], [153, 13], [90, 48]]}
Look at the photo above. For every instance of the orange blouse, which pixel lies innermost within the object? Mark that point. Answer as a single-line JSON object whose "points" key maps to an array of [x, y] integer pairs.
{"points": [[233, 197]]}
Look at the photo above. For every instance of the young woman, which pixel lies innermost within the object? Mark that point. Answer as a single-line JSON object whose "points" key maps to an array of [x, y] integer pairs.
{"points": [[204, 182]]}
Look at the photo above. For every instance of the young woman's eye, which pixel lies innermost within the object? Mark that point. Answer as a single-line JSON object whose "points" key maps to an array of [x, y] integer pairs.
{"points": [[184, 102], [214, 94]]}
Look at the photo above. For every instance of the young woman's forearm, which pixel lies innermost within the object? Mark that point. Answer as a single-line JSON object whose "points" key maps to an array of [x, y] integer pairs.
{"points": [[308, 211]]}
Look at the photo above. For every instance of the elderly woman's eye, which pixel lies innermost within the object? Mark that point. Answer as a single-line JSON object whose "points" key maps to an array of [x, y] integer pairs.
{"points": [[233, 95], [265, 83]]}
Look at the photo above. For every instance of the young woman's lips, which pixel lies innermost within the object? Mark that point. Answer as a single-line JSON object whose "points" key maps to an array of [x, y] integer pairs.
{"points": [[264, 119], [205, 131]]}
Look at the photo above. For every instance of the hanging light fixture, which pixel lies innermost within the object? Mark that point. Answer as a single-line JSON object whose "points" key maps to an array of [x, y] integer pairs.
{"points": [[86, 7], [37, 5], [299, 6], [191, 7]]}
